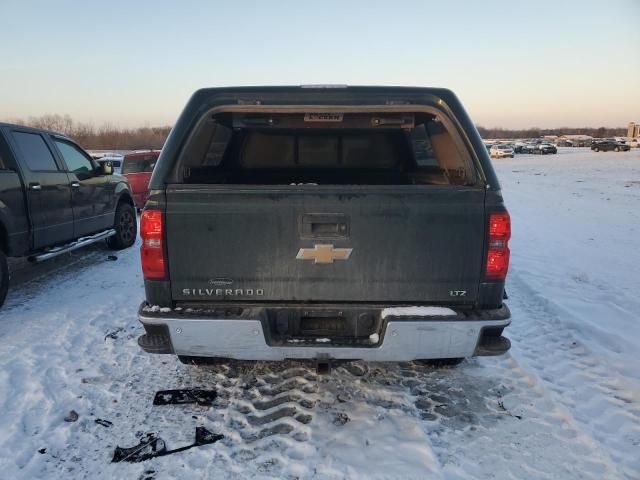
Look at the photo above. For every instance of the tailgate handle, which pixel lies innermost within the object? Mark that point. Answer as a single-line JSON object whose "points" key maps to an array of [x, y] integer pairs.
{"points": [[327, 225]]}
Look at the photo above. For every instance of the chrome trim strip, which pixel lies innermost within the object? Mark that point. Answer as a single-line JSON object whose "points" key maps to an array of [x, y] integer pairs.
{"points": [[81, 242]]}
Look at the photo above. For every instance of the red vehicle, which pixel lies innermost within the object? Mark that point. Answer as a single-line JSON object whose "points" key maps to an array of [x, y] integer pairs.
{"points": [[137, 167]]}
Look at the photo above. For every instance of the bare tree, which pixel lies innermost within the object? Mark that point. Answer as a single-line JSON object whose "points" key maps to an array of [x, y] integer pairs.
{"points": [[105, 137]]}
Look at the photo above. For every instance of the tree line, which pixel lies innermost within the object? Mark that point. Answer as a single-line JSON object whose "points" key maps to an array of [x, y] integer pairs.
{"points": [[104, 137], [602, 132], [110, 137]]}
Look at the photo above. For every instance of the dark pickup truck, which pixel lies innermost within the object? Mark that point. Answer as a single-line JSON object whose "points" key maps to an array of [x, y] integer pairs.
{"points": [[54, 198], [324, 223]]}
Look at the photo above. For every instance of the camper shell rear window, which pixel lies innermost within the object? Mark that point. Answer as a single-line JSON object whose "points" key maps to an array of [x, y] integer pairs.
{"points": [[373, 148]]}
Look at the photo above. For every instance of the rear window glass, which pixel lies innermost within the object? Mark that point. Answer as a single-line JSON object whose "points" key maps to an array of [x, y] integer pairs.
{"points": [[35, 151], [139, 164], [360, 151], [323, 151]]}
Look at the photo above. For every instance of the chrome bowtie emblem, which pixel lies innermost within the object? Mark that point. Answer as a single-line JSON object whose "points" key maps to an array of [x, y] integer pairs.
{"points": [[324, 253]]}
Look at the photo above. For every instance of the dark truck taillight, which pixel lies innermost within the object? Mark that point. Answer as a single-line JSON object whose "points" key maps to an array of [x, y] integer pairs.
{"points": [[151, 251], [497, 262]]}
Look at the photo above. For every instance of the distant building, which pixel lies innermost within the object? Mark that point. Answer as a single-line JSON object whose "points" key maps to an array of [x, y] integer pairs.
{"points": [[633, 131], [575, 140]]}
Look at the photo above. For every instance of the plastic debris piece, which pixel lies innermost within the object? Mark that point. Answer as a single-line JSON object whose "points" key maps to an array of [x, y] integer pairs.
{"points": [[203, 398], [205, 437], [151, 446], [104, 423], [72, 416]]}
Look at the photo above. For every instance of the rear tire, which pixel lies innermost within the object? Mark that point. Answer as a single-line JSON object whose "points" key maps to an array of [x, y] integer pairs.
{"points": [[441, 362], [617, 149], [126, 227], [4, 277], [596, 149], [188, 360]]}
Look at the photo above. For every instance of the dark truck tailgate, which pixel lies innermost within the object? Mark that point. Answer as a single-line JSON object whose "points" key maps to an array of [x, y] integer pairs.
{"points": [[410, 243]]}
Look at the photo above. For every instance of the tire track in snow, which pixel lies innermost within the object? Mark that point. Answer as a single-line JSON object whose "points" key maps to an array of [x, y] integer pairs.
{"points": [[488, 418], [596, 397], [261, 405]]}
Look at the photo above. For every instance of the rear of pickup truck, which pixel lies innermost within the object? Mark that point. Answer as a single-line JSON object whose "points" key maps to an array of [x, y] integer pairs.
{"points": [[324, 223]]}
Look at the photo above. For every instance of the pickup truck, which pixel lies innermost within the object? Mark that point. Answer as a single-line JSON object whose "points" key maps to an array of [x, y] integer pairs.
{"points": [[324, 223], [54, 198]]}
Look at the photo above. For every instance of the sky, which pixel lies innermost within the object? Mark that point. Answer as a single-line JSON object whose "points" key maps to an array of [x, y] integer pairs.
{"points": [[513, 64]]}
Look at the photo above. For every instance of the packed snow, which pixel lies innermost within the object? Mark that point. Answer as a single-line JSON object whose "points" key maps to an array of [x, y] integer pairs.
{"points": [[564, 403]]}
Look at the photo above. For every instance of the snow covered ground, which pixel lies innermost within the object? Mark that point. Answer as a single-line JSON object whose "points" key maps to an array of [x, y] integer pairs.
{"points": [[563, 404]]}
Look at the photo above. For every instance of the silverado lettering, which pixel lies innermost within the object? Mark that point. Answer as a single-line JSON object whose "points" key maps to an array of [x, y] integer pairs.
{"points": [[222, 291]]}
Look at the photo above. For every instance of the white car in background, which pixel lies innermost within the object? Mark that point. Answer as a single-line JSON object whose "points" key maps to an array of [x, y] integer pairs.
{"points": [[501, 151], [633, 142], [115, 159]]}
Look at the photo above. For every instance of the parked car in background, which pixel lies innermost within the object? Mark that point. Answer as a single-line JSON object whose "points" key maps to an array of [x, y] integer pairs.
{"points": [[539, 148], [609, 145], [518, 146], [501, 151], [55, 198], [528, 147], [115, 160], [102, 157], [137, 167], [633, 142], [546, 148]]}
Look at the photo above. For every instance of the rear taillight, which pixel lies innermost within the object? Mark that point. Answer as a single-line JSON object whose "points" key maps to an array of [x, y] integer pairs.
{"points": [[497, 263], [151, 251]]}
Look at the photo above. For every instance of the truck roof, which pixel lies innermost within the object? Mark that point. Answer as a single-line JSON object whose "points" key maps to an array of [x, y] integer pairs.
{"points": [[379, 88], [309, 91], [32, 129]]}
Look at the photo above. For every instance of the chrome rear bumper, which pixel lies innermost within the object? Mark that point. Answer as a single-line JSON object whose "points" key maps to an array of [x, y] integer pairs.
{"points": [[402, 339]]}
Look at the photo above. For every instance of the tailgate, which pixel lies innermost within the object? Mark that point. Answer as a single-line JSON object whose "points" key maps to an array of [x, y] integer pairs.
{"points": [[395, 244], [139, 182]]}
